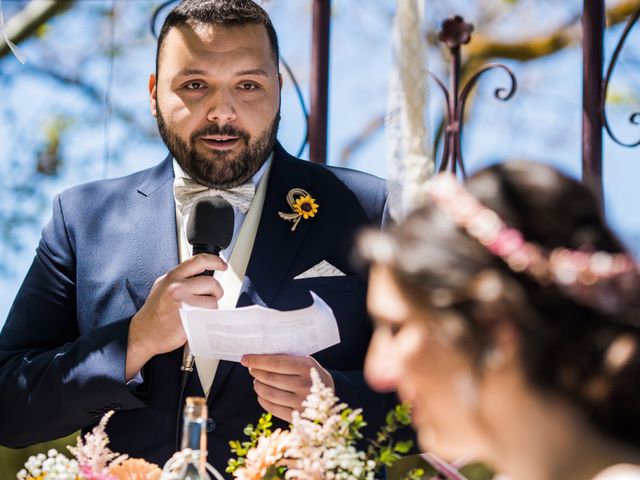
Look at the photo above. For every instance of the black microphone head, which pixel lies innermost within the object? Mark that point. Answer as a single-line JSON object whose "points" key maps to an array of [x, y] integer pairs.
{"points": [[211, 223]]}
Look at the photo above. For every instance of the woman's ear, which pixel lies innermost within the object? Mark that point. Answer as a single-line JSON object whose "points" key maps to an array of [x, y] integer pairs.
{"points": [[504, 345]]}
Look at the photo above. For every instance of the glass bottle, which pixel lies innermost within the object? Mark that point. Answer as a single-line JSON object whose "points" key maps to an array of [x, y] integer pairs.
{"points": [[194, 437]]}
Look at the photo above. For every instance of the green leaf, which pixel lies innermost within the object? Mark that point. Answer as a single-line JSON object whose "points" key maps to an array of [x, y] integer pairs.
{"points": [[403, 413], [414, 474], [403, 447], [390, 419]]}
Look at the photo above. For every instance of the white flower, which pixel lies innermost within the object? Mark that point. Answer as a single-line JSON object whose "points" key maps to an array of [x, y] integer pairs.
{"points": [[53, 466], [320, 442]]}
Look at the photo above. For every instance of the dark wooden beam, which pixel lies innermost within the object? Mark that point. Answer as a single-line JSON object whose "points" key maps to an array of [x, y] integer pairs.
{"points": [[318, 121], [593, 25]]}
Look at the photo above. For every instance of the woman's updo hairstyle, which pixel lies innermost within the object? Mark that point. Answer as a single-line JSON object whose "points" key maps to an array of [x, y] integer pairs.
{"points": [[584, 348]]}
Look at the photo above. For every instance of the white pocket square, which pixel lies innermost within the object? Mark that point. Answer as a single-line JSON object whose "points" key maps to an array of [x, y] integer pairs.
{"points": [[322, 269]]}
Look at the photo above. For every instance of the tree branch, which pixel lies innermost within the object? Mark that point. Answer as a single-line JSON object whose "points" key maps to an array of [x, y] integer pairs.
{"points": [[27, 21], [483, 47]]}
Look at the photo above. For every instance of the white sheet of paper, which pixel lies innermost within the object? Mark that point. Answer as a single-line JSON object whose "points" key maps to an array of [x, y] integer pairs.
{"points": [[229, 334]]}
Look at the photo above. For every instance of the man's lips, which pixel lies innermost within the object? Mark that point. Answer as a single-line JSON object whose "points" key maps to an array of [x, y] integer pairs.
{"points": [[220, 142]]}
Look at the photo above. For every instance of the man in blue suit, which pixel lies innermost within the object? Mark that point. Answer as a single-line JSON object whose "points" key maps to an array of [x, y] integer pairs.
{"points": [[95, 325]]}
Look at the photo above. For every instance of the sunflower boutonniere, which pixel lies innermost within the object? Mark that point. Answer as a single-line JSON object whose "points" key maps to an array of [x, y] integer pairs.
{"points": [[302, 204]]}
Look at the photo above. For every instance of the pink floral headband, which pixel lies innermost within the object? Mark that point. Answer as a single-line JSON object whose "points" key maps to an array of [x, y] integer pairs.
{"points": [[599, 279]]}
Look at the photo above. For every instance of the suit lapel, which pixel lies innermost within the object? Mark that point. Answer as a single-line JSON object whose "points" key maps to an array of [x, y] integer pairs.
{"points": [[153, 228], [275, 246]]}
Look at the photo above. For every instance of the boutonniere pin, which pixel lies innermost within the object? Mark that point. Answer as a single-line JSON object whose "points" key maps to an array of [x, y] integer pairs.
{"points": [[302, 204]]}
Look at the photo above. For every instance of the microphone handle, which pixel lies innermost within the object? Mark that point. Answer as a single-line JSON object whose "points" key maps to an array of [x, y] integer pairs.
{"points": [[187, 361], [206, 248]]}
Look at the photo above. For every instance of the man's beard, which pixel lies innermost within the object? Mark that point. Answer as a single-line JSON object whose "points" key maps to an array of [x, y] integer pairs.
{"points": [[222, 169]]}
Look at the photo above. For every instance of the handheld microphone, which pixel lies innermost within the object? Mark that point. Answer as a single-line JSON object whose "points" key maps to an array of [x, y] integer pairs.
{"points": [[210, 226], [209, 230]]}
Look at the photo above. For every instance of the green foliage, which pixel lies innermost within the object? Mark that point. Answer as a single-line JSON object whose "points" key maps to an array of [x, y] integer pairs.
{"points": [[415, 474], [240, 449], [414, 467], [383, 449], [477, 471], [355, 425], [274, 473]]}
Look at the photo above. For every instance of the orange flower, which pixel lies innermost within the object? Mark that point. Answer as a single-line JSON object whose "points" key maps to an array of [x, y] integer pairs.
{"points": [[266, 453], [306, 206], [136, 469]]}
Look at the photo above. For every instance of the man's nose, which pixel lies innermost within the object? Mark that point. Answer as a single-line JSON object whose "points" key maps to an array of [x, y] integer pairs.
{"points": [[381, 365], [221, 109]]}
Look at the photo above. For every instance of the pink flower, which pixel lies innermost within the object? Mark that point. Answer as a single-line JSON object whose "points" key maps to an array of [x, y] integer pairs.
{"points": [[89, 474]]}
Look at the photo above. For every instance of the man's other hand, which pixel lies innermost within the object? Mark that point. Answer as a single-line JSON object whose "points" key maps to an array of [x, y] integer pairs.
{"points": [[282, 382]]}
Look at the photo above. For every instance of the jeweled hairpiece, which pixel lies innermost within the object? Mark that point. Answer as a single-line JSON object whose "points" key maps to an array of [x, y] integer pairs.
{"points": [[575, 270]]}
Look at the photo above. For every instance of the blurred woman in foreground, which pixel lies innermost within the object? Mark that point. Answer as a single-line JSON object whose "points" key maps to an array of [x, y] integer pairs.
{"points": [[507, 313]]}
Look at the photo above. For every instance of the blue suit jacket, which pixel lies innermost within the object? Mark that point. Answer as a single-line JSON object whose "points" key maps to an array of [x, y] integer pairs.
{"points": [[63, 347]]}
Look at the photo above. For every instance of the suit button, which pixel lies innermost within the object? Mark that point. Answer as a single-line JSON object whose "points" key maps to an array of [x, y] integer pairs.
{"points": [[211, 425]]}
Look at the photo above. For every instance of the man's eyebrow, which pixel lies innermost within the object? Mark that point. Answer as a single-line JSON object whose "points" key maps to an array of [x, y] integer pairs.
{"points": [[192, 71], [199, 71], [255, 71]]}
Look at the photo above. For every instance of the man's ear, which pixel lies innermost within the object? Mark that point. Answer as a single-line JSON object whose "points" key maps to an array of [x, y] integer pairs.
{"points": [[281, 81], [153, 98]]}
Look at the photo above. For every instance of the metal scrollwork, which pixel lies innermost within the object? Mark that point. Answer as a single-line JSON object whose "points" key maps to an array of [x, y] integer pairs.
{"points": [[634, 118], [454, 33]]}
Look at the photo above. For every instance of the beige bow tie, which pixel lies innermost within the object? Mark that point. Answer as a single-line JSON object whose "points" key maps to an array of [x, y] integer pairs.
{"points": [[188, 191]]}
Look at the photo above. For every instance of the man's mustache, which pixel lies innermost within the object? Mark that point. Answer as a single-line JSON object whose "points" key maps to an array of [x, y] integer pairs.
{"points": [[226, 130]]}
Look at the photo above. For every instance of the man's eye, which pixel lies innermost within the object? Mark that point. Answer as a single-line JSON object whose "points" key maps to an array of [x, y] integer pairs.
{"points": [[194, 86], [248, 86]]}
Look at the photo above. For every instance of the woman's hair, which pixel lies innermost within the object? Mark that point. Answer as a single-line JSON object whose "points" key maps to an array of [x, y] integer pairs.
{"points": [[586, 352]]}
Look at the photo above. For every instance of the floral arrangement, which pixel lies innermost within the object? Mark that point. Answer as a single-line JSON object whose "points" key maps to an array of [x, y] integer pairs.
{"points": [[93, 460], [320, 444]]}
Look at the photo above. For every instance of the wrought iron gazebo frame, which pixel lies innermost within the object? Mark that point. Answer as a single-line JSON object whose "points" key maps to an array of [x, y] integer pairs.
{"points": [[454, 34]]}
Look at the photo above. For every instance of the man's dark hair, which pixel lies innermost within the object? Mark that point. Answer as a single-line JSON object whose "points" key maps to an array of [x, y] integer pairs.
{"points": [[227, 13]]}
